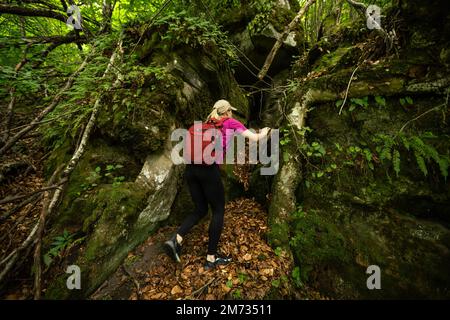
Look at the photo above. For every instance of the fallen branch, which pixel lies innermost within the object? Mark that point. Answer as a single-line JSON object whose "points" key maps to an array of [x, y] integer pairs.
{"points": [[12, 258], [40, 232], [15, 198], [18, 207], [200, 290], [282, 37]]}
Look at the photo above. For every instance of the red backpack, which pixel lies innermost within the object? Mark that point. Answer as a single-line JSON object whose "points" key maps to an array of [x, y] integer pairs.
{"points": [[203, 135]]}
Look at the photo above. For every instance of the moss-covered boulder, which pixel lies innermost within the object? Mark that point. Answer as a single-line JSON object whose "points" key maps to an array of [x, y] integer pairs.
{"points": [[125, 183]]}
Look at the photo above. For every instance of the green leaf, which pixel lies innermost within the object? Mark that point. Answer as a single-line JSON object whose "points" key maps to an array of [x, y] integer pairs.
{"points": [[276, 283], [364, 102], [396, 161], [368, 154], [47, 259], [229, 284], [98, 169], [278, 251], [409, 100], [443, 166], [339, 103], [421, 163], [381, 101]]}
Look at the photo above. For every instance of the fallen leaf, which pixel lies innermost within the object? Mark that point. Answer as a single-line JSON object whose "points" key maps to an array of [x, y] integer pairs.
{"points": [[176, 290], [225, 288]]}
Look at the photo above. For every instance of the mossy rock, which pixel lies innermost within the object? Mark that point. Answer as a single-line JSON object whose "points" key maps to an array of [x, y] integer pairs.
{"points": [[80, 194], [114, 213]]}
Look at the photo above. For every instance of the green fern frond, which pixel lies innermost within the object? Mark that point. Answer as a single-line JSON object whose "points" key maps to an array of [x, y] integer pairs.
{"points": [[396, 161], [421, 163]]}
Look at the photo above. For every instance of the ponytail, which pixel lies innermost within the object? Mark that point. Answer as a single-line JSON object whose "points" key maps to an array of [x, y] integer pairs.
{"points": [[213, 115]]}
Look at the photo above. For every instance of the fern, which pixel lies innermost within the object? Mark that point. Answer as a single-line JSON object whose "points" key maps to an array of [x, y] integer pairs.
{"points": [[396, 161], [404, 141], [421, 163], [386, 147], [443, 166]]}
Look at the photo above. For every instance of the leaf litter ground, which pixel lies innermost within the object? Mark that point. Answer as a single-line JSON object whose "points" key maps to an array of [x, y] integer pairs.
{"points": [[148, 273]]}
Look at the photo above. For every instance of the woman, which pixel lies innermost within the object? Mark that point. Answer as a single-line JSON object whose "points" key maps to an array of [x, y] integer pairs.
{"points": [[205, 186]]}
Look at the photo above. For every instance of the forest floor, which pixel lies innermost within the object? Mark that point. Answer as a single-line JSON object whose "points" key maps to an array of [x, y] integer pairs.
{"points": [[21, 174], [256, 271]]}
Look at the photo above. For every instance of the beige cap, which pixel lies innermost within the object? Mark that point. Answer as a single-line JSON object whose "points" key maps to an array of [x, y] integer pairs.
{"points": [[223, 106]]}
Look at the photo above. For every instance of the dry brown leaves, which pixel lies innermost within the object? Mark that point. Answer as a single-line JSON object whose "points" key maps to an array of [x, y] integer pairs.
{"points": [[16, 228], [249, 276]]}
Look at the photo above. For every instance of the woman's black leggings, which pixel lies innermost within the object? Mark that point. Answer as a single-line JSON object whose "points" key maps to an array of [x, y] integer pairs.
{"points": [[205, 186]]}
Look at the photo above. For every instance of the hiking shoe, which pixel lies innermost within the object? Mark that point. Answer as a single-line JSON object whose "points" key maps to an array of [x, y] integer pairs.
{"points": [[173, 248], [220, 261]]}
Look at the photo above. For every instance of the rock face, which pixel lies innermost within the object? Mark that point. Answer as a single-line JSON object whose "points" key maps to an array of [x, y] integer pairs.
{"points": [[363, 202], [356, 189], [126, 183], [364, 196]]}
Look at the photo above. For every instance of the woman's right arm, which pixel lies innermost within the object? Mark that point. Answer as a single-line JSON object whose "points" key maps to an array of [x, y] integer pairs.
{"points": [[255, 136]]}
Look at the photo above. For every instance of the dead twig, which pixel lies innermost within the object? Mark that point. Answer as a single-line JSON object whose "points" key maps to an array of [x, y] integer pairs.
{"points": [[200, 290], [23, 216], [19, 206], [40, 232], [15, 198], [280, 40], [348, 88]]}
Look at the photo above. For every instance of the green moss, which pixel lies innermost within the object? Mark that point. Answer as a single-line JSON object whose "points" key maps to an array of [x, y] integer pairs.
{"points": [[331, 59], [58, 156], [120, 207], [139, 122], [79, 201], [278, 235], [317, 242]]}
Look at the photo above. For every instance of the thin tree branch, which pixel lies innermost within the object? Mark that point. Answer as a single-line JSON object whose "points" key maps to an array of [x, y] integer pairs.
{"points": [[40, 232], [12, 91], [15, 198], [348, 88], [47, 110], [31, 12], [18, 207], [280, 40]]}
